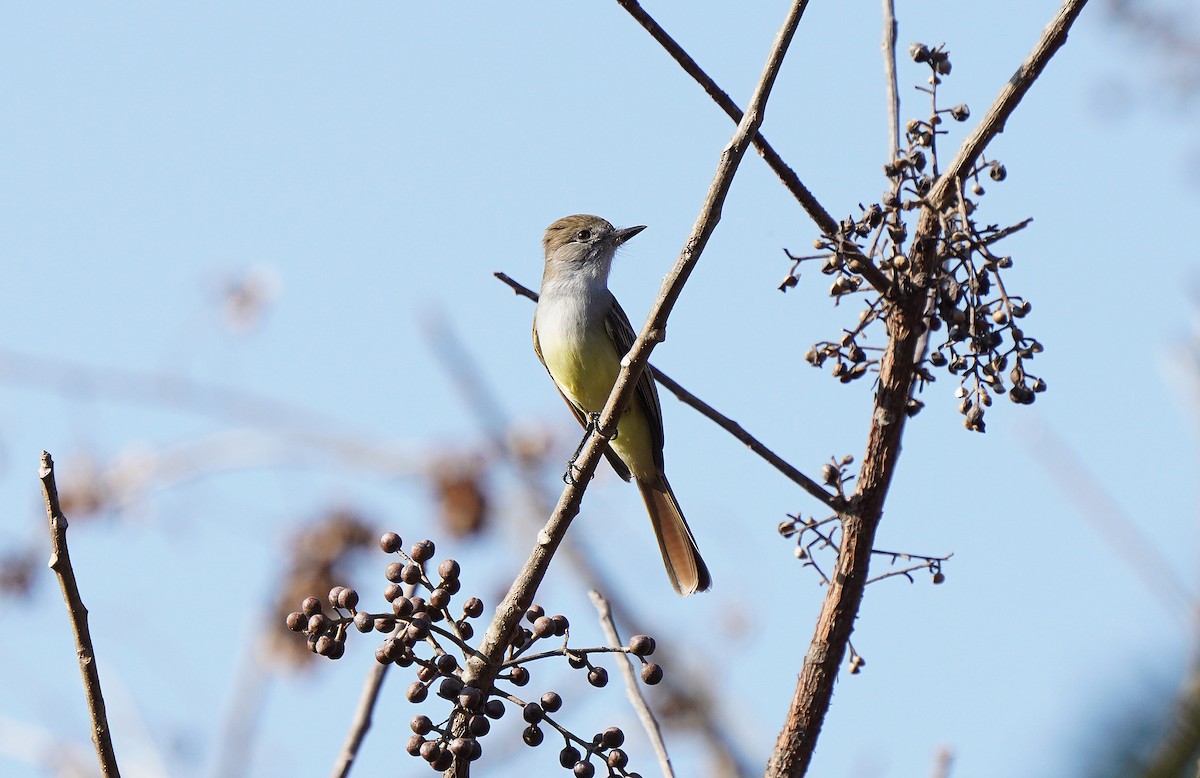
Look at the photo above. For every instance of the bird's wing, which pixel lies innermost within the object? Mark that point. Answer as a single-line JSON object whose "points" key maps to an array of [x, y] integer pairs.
{"points": [[645, 394], [580, 416]]}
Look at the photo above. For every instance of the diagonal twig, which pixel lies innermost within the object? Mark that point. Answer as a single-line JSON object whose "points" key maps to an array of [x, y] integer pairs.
{"points": [[363, 715], [636, 698], [809, 485], [1098, 508], [992, 123], [811, 206], [481, 668], [60, 563]]}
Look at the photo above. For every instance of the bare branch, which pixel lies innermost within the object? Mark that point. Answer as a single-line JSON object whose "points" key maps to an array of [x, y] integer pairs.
{"points": [[60, 563], [361, 721], [481, 669], [724, 422], [811, 206], [632, 689], [992, 123]]}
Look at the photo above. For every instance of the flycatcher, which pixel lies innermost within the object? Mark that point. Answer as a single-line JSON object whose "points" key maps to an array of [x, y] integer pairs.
{"points": [[581, 334]]}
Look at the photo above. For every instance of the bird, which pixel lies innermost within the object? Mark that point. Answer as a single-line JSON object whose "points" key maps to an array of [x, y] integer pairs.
{"points": [[581, 334]]}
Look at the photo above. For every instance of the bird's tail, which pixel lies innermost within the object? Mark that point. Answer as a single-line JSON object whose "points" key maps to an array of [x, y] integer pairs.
{"points": [[680, 554]]}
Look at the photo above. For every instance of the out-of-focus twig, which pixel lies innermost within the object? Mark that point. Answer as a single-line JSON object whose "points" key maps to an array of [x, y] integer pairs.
{"points": [[60, 563], [1099, 509], [361, 722], [140, 470], [239, 725], [942, 763], [649, 723], [145, 388]]}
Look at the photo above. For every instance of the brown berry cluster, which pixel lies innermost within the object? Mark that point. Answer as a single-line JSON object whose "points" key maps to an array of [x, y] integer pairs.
{"points": [[424, 633], [972, 322], [412, 619], [606, 745]]}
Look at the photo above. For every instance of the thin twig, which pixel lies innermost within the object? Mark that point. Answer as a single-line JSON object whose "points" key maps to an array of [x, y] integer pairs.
{"points": [[362, 720], [240, 725], [992, 123], [811, 206], [942, 763], [897, 372], [145, 388], [1004, 233], [1099, 509], [564, 651], [809, 485], [889, 76], [632, 689], [60, 563], [481, 670]]}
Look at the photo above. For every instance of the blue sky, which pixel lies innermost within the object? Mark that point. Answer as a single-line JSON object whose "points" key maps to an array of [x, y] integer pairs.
{"points": [[381, 161]]}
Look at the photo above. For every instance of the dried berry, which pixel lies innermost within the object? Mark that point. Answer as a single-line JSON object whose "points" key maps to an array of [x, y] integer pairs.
{"points": [[390, 542], [532, 736], [568, 756], [533, 713], [612, 737], [422, 551], [641, 645]]}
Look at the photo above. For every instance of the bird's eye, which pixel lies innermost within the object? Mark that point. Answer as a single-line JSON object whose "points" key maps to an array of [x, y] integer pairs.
{"points": [[583, 235]]}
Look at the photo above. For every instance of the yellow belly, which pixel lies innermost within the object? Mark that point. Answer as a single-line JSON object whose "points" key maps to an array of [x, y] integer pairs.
{"points": [[585, 369]]}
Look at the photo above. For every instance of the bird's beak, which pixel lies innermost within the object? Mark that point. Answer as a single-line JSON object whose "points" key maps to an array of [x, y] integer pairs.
{"points": [[625, 233]]}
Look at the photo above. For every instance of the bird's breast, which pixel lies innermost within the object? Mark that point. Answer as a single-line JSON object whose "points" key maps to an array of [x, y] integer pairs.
{"points": [[576, 349]]}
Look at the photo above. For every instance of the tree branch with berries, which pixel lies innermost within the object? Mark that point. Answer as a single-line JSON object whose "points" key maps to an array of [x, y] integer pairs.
{"points": [[928, 273]]}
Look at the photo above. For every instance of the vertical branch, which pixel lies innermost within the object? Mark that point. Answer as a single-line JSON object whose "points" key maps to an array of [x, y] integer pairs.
{"points": [[889, 75], [60, 563], [897, 371], [363, 715], [814, 688], [239, 726], [636, 698]]}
